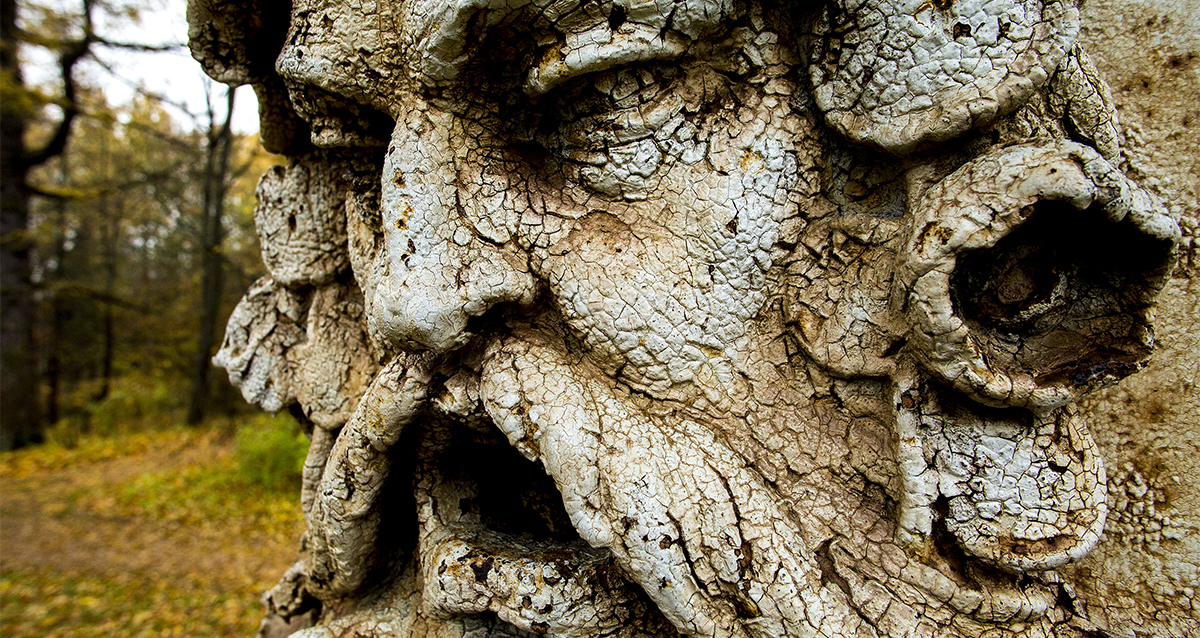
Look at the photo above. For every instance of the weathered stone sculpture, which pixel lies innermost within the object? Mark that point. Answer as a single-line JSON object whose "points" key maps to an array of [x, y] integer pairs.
{"points": [[699, 317]]}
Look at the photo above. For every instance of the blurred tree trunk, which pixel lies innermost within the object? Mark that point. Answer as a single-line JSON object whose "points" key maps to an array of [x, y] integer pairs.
{"points": [[109, 236], [52, 276], [216, 183], [20, 421], [18, 388]]}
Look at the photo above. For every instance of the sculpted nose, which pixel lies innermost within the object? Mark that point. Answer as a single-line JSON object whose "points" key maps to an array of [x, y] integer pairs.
{"points": [[435, 271]]}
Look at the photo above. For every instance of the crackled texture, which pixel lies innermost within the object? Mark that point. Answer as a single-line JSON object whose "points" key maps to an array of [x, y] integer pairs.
{"points": [[1150, 54], [700, 317], [899, 74], [301, 221]]}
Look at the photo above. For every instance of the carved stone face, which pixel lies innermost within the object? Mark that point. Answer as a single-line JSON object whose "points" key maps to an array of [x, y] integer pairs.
{"points": [[796, 349]]}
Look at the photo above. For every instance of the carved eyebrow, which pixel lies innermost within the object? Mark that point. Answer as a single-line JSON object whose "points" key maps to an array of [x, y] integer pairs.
{"points": [[923, 71], [600, 48], [593, 35]]}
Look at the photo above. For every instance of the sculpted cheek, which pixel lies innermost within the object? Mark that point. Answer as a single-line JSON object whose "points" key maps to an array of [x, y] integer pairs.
{"points": [[664, 292]]}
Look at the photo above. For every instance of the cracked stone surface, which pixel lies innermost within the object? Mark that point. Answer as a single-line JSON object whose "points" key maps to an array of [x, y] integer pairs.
{"points": [[899, 74], [704, 318]]}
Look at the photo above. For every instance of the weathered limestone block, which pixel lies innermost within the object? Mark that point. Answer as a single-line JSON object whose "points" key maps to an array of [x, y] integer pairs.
{"points": [[709, 318]]}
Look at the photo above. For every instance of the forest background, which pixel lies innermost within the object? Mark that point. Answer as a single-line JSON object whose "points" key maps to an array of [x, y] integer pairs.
{"points": [[138, 495]]}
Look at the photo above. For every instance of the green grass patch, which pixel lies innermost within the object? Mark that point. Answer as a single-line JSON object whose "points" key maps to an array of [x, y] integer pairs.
{"points": [[270, 452], [211, 495], [239, 483], [256, 487]]}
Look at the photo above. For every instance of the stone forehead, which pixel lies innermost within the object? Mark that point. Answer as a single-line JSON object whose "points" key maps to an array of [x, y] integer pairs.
{"points": [[239, 42]]}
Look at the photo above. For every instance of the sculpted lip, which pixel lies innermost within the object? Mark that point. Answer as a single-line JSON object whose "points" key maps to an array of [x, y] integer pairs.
{"points": [[684, 516]]}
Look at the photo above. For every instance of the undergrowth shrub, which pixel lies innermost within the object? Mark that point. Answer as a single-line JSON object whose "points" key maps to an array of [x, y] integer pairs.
{"points": [[270, 451], [253, 485], [136, 402]]}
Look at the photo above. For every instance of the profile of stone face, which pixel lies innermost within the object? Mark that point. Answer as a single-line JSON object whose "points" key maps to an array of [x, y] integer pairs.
{"points": [[691, 317]]}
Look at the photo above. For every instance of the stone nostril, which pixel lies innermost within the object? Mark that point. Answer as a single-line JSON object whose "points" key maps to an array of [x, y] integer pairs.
{"points": [[421, 305], [495, 318]]}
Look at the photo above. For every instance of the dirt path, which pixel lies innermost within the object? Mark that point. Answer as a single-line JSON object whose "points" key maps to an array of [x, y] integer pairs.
{"points": [[77, 523]]}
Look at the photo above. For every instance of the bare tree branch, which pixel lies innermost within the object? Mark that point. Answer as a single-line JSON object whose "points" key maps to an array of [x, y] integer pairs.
{"points": [[137, 46], [71, 56], [51, 191]]}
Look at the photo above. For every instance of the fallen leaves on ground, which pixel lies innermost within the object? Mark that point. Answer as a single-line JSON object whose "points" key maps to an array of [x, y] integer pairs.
{"points": [[148, 534], [49, 603]]}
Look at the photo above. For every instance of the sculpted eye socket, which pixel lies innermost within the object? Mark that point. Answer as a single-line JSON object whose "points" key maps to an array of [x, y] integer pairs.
{"points": [[608, 132], [599, 110]]}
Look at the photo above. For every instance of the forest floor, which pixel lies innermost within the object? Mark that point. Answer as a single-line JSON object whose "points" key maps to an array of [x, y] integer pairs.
{"points": [[150, 534]]}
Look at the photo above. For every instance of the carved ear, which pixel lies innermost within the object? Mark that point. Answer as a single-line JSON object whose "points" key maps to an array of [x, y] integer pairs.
{"points": [[1028, 276], [843, 320], [898, 75]]}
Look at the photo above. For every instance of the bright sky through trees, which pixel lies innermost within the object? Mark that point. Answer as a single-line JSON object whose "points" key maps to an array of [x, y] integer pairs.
{"points": [[174, 75]]}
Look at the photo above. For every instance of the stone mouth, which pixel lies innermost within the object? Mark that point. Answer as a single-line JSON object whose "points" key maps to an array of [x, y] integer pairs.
{"points": [[494, 536], [494, 539]]}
